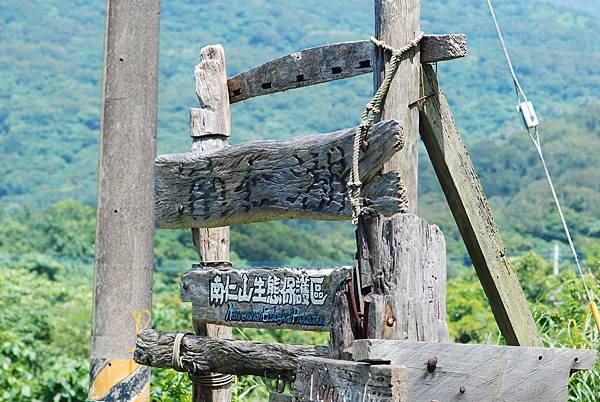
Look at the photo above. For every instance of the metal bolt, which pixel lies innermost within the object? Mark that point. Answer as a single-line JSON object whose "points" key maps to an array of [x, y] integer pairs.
{"points": [[431, 364], [462, 389]]}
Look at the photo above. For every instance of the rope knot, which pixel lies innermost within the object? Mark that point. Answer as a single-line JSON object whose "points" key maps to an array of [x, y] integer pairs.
{"points": [[372, 109]]}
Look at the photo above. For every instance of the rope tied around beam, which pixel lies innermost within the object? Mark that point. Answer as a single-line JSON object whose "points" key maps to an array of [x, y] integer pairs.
{"points": [[373, 109], [212, 380]]}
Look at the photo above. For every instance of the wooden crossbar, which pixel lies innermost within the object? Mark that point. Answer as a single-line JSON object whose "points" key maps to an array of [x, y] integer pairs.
{"points": [[329, 63], [304, 178]]}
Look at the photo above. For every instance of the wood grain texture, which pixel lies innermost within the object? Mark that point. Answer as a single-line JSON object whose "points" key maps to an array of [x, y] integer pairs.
{"points": [[306, 178], [328, 63], [484, 372], [211, 89], [211, 244], [402, 263], [332, 380], [205, 354], [473, 217], [397, 23], [342, 332], [264, 297]]}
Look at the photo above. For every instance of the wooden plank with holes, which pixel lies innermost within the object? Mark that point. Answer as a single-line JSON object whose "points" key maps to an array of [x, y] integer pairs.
{"points": [[467, 372], [264, 297], [319, 379], [473, 217], [328, 63], [256, 181]]}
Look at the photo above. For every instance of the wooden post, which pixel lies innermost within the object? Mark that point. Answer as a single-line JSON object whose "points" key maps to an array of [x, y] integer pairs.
{"points": [[397, 23], [400, 285], [125, 225], [402, 261], [403, 268], [211, 244]]}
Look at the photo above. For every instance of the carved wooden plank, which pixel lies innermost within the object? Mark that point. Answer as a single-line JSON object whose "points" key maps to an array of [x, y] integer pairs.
{"points": [[303, 178], [203, 354], [328, 63], [479, 372], [473, 217], [320, 379], [264, 297]]}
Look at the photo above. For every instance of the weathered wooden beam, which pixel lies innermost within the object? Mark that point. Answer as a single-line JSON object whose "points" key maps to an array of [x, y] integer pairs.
{"points": [[448, 372], [211, 244], [264, 297], [396, 24], [320, 379], [328, 63], [306, 178], [200, 354], [402, 264], [473, 217]]}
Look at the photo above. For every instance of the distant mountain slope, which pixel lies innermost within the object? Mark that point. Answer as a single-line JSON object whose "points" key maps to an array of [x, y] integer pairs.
{"points": [[51, 55]]}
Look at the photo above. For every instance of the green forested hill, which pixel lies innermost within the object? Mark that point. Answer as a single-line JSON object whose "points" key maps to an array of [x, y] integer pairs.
{"points": [[51, 54]]}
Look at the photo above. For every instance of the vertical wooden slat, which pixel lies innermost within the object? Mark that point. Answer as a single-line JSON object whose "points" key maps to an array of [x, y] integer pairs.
{"points": [[397, 23], [125, 200], [473, 217], [212, 244]]}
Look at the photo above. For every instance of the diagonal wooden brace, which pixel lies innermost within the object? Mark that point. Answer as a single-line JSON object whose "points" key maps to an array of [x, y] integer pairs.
{"points": [[473, 217]]}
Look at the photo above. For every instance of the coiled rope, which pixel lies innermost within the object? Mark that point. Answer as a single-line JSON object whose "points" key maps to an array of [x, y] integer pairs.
{"points": [[372, 110]]}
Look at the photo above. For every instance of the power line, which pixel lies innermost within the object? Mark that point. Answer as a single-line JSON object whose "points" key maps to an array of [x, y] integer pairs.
{"points": [[531, 124]]}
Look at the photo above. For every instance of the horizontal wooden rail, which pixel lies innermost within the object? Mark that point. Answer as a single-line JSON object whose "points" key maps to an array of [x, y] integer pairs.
{"points": [[201, 354], [292, 298], [479, 372], [330, 62], [304, 178]]}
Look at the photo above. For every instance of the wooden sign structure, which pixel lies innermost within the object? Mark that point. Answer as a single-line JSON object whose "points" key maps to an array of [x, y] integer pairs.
{"points": [[264, 297], [396, 290]]}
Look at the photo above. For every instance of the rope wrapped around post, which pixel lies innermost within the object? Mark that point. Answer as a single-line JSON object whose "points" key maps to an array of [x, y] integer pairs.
{"points": [[372, 109], [212, 380]]}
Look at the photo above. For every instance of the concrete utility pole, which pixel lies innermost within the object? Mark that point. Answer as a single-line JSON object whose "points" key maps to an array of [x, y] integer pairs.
{"points": [[125, 200]]}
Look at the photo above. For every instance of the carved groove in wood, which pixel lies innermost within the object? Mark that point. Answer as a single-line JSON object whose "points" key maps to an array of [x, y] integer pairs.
{"points": [[303, 178]]}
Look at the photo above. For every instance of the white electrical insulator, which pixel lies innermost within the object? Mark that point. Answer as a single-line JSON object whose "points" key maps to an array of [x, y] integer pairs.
{"points": [[528, 113]]}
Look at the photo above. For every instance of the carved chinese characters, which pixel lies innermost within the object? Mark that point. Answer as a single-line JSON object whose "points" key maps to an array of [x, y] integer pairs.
{"points": [[264, 297]]}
